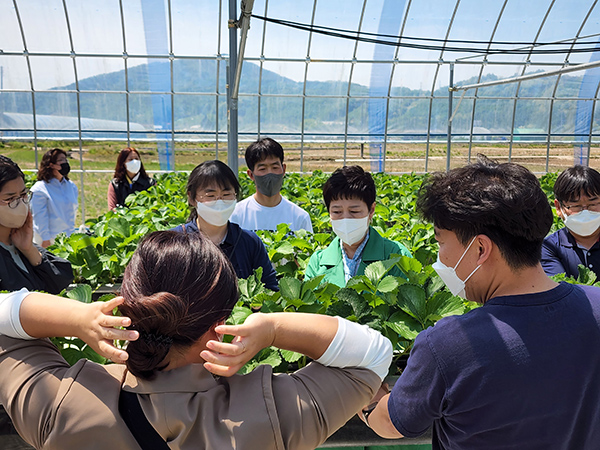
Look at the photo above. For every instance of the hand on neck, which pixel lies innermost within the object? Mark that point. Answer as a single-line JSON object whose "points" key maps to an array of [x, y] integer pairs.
{"points": [[269, 202]]}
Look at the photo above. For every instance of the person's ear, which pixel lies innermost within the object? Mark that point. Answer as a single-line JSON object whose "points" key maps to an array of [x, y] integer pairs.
{"points": [[372, 211], [250, 174], [191, 201], [484, 247], [219, 336], [559, 209], [283, 166]]}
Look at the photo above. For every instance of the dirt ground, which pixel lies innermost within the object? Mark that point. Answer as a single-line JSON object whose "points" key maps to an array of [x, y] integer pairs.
{"points": [[406, 158]]}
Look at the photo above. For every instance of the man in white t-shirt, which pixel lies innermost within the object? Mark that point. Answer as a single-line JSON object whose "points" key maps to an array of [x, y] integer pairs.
{"points": [[267, 208]]}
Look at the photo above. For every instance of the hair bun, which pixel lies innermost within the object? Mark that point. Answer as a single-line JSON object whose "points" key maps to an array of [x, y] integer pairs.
{"points": [[175, 288], [156, 317]]}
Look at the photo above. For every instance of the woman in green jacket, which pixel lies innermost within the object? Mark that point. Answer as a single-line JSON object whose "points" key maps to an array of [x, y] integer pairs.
{"points": [[349, 195]]}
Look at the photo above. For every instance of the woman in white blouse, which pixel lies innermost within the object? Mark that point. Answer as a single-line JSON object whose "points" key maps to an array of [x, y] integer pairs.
{"points": [[54, 199]]}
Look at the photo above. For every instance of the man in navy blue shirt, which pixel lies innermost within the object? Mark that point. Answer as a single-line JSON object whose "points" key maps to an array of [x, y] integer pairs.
{"points": [[577, 202], [523, 370]]}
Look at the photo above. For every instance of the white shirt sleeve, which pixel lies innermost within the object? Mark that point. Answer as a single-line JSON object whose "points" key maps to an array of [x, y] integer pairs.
{"points": [[357, 345], [10, 305]]}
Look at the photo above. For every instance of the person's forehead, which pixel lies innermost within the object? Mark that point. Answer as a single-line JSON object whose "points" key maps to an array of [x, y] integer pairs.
{"points": [[443, 233], [584, 198], [348, 202], [215, 188], [13, 187], [269, 161]]}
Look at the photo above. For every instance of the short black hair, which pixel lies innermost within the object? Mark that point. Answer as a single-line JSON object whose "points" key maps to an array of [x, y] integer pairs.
{"points": [[575, 181], [210, 173], [350, 182], [503, 201], [262, 149], [9, 170]]}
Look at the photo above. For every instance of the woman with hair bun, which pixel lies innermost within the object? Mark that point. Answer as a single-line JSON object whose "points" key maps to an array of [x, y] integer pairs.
{"points": [[178, 290], [130, 176]]}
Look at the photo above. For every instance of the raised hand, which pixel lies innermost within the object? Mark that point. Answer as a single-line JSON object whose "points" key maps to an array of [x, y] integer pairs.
{"points": [[99, 329], [22, 238], [226, 359]]}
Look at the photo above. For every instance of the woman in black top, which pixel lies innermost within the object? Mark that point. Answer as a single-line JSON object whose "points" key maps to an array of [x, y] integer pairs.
{"points": [[22, 263], [212, 191], [130, 176]]}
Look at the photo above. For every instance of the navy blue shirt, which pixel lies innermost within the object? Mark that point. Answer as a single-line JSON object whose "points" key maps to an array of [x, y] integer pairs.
{"points": [[245, 250], [520, 372], [561, 254]]}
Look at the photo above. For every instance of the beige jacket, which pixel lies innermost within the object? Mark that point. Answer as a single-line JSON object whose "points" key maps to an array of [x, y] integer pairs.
{"points": [[55, 406]]}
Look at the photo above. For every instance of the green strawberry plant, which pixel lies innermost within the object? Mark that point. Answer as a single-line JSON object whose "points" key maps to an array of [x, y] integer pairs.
{"points": [[398, 307]]}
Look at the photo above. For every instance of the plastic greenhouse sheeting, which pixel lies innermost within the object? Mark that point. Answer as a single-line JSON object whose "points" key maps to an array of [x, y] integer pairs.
{"points": [[156, 70]]}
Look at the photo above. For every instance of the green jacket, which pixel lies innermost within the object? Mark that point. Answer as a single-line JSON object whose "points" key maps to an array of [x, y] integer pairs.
{"points": [[329, 260]]}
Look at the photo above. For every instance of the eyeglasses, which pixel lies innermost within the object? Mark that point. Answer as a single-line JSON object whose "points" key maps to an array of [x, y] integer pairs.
{"points": [[14, 202], [212, 197], [578, 208]]}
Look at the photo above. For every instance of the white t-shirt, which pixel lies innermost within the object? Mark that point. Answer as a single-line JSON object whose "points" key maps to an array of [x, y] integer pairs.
{"points": [[251, 215]]}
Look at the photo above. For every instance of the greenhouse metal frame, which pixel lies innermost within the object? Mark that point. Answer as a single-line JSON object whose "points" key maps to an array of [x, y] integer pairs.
{"points": [[119, 70]]}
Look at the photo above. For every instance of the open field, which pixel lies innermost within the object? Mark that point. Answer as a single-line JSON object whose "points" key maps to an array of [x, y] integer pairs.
{"points": [[400, 158]]}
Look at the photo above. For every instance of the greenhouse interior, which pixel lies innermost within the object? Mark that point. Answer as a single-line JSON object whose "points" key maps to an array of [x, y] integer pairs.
{"points": [[397, 86], [400, 88]]}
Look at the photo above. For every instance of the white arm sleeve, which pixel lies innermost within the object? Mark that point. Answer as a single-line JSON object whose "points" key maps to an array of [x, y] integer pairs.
{"points": [[357, 345], [10, 305]]}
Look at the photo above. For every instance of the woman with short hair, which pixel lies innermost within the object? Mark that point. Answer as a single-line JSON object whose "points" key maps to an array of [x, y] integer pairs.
{"points": [[349, 195], [212, 191]]}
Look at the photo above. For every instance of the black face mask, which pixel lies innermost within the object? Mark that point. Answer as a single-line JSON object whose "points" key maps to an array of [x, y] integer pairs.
{"points": [[65, 168], [269, 184]]}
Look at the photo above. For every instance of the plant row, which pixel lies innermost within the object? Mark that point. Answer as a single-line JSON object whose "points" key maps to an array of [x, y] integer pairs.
{"points": [[398, 307]]}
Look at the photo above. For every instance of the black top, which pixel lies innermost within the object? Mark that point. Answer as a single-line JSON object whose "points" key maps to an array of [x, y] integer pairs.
{"points": [[123, 189], [561, 254], [245, 250], [52, 275]]}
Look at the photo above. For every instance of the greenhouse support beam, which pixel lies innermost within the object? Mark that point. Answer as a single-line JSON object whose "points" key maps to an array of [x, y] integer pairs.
{"points": [[244, 24], [232, 103], [532, 76], [450, 117]]}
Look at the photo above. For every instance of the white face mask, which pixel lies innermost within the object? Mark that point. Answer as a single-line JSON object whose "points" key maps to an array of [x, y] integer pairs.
{"points": [[584, 223], [14, 218], [134, 165], [350, 231], [216, 212], [449, 277]]}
